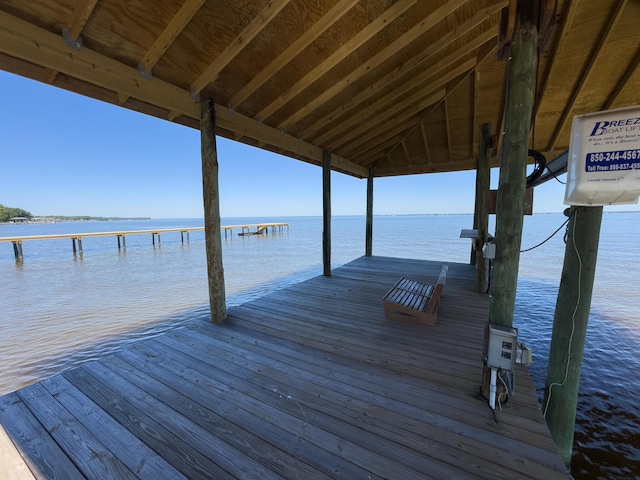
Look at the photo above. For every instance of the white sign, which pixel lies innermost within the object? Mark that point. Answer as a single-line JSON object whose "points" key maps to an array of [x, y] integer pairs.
{"points": [[604, 158]]}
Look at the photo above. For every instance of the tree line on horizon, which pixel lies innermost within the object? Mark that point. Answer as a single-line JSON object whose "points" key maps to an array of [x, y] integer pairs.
{"points": [[7, 213]]}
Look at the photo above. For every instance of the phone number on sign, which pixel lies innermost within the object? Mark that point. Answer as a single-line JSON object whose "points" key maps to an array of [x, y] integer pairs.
{"points": [[608, 161]]}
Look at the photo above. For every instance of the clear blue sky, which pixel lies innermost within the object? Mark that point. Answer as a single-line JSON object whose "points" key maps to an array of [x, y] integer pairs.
{"points": [[65, 154]]}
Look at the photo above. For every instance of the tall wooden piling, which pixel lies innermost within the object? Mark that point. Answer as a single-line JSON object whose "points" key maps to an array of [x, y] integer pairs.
{"points": [[368, 242], [211, 196], [511, 186], [326, 212], [483, 179], [570, 326]]}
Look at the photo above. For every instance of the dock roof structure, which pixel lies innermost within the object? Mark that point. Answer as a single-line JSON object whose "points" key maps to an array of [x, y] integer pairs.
{"points": [[400, 86]]}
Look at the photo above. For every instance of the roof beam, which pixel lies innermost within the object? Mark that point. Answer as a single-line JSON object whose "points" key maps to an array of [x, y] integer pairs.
{"points": [[423, 130], [447, 127], [367, 118], [177, 24], [437, 16], [568, 20], [343, 52], [631, 69], [23, 40], [428, 52], [297, 47], [79, 17], [412, 105], [593, 58], [239, 43], [480, 57]]}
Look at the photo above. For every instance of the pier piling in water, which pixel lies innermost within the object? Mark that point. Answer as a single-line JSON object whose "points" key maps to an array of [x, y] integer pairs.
{"points": [[570, 326]]}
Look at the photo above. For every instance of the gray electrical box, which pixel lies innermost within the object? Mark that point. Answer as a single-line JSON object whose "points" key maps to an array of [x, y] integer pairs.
{"points": [[503, 347]]}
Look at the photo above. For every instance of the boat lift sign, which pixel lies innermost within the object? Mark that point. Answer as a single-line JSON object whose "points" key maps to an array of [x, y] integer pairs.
{"points": [[604, 158]]}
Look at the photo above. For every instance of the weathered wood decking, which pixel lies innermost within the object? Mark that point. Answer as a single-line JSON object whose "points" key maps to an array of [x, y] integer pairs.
{"points": [[309, 382]]}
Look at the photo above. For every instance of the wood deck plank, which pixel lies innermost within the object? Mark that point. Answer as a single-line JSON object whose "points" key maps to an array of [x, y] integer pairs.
{"points": [[45, 458], [307, 382], [140, 459], [86, 452]]}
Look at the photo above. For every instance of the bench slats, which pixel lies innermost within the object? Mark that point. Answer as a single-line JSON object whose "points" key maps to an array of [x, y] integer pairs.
{"points": [[415, 301]]}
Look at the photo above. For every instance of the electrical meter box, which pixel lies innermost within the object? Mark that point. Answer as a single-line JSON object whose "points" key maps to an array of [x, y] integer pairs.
{"points": [[603, 167], [503, 347]]}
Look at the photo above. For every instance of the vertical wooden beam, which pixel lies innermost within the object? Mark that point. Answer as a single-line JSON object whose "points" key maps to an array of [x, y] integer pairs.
{"points": [[326, 212], [211, 194], [483, 178], [511, 186], [368, 247], [570, 326]]}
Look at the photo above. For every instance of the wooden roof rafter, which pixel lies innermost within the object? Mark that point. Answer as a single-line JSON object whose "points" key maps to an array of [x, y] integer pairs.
{"points": [[413, 63], [297, 47], [481, 56], [622, 83], [254, 27], [447, 126], [566, 26], [395, 102], [435, 17], [337, 56], [425, 141], [588, 69], [78, 19], [174, 28]]}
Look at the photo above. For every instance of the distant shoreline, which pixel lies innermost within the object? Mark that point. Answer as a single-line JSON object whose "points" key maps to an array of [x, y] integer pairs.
{"points": [[58, 219]]}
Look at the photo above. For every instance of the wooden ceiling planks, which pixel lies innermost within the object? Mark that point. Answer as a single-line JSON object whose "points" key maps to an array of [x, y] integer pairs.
{"points": [[379, 82]]}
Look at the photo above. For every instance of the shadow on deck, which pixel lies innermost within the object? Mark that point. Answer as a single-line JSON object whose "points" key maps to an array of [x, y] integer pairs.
{"points": [[309, 382]]}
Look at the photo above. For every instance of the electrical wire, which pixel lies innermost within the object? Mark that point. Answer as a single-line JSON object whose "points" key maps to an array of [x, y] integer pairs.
{"points": [[573, 323], [541, 164], [550, 236], [555, 176]]}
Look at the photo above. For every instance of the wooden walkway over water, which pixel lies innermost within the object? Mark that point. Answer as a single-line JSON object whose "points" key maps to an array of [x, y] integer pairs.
{"points": [[309, 382], [76, 238]]}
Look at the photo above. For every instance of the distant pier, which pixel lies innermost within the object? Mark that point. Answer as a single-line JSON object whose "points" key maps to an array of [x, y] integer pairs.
{"points": [[76, 238]]}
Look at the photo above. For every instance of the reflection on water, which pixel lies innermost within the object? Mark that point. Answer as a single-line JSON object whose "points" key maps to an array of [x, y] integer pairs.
{"points": [[59, 310]]}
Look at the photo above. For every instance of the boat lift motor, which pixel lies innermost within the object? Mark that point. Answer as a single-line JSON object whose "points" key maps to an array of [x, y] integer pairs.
{"points": [[503, 353]]}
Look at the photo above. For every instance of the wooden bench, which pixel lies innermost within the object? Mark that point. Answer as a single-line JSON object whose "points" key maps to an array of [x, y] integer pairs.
{"points": [[410, 300]]}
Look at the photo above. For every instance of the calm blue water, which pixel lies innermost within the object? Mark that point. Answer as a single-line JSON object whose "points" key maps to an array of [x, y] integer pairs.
{"points": [[59, 309]]}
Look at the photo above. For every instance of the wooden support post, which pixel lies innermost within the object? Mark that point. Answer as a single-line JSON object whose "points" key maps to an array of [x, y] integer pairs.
{"points": [[182, 237], [570, 326], [368, 247], [80, 245], [483, 179], [124, 242], [153, 239], [511, 186], [118, 237], [73, 243], [17, 250], [326, 212], [211, 194]]}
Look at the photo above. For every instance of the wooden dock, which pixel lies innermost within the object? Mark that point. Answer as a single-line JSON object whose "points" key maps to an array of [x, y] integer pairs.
{"points": [[76, 238], [308, 382]]}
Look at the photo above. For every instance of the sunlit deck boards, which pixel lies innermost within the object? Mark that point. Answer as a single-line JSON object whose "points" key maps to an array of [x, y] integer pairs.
{"points": [[308, 382]]}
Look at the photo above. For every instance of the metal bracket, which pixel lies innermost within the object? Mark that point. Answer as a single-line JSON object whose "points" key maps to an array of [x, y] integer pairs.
{"points": [[196, 96], [144, 74], [230, 108], [76, 43]]}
